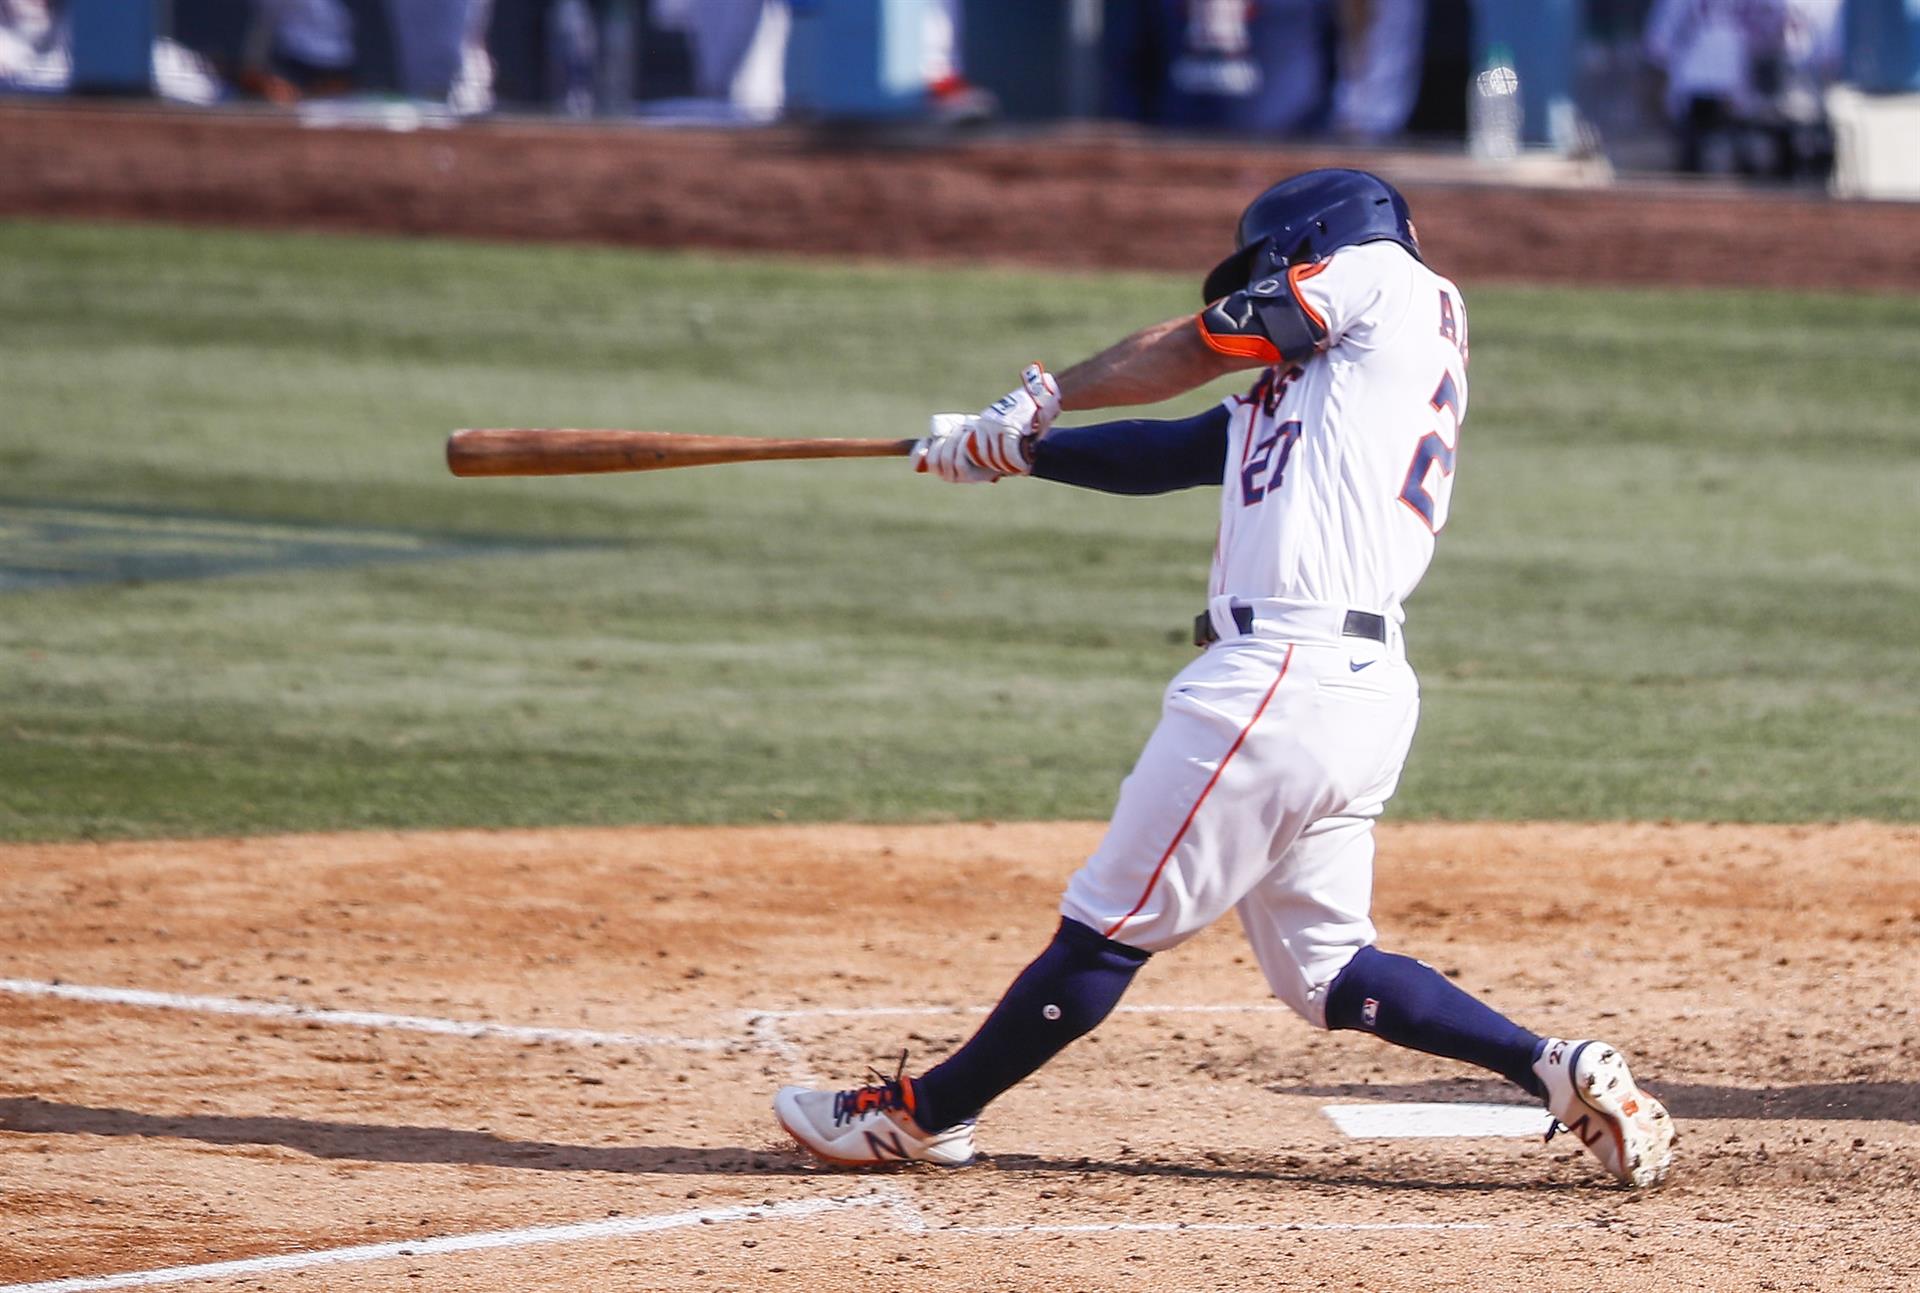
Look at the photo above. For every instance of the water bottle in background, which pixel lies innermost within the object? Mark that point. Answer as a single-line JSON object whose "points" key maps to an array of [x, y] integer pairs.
{"points": [[1493, 109]]}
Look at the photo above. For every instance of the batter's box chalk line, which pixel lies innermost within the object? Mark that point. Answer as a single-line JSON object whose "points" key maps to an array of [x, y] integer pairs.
{"points": [[767, 1032], [368, 1019], [764, 1030], [894, 1200], [531, 1236]]}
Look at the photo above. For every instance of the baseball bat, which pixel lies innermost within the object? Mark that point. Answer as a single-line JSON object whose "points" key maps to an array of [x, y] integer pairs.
{"points": [[565, 451]]}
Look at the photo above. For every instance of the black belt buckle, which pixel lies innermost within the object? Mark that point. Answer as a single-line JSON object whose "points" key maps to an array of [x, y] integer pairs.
{"points": [[1365, 624]]}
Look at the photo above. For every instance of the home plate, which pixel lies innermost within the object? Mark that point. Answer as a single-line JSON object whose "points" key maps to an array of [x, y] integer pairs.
{"points": [[1410, 1120]]}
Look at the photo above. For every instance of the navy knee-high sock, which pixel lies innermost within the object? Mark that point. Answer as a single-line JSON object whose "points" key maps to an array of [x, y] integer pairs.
{"points": [[1068, 989], [1411, 1004]]}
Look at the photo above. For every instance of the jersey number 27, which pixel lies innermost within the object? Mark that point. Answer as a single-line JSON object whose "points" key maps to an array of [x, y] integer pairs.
{"points": [[1267, 464], [1428, 491]]}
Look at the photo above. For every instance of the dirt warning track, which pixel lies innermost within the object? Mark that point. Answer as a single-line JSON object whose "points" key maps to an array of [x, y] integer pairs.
{"points": [[1100, 200], [499, 1060]]}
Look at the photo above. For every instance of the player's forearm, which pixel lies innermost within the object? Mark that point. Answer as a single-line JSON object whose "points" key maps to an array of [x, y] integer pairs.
{"points": [[1137, 457], [1154, 364]]}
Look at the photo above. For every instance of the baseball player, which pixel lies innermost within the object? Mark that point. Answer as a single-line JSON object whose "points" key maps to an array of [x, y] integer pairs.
{"points": [[1282, 741]]}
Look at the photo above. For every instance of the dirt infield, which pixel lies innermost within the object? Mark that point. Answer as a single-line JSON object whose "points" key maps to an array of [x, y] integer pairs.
{"points": [[1102, 200], [1764, 979]]}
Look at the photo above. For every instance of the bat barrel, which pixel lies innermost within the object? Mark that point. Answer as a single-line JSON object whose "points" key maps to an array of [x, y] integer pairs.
{"points": [[566, 451]]}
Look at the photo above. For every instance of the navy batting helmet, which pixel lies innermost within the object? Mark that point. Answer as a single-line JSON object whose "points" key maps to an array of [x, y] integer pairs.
{"points": [[1303, 219]]}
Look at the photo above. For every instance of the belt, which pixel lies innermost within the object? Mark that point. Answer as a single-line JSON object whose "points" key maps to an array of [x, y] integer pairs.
{"points": [[1358, 624]]}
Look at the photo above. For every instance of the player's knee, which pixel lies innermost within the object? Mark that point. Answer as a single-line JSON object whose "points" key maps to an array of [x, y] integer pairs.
{"points": [[1308, 989], [1091, 973], [1087, 943]]}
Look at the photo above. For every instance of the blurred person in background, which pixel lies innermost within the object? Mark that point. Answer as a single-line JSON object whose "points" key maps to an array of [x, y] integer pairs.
{"points": [[1742, 81], [1379, 66], [430, 40], [737, 51], [29, 20], [308, 44], [1247, 66], [719, 34], [951, 96], [276, 50], [580, 56], [1812, 53], [28, 39]]}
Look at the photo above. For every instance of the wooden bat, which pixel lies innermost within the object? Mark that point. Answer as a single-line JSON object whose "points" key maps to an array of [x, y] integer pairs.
{"points": [[531, 451]]}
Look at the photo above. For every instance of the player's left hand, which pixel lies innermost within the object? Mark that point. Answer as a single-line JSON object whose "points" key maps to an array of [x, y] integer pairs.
{"points": [[947, 451]]}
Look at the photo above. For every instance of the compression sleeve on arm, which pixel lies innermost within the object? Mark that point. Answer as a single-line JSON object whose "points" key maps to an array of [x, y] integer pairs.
{"points": [[1137, 456]]}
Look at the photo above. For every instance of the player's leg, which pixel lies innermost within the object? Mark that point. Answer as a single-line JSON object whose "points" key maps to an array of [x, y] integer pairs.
{"points": [[1308, 925], [1063, 995], [1585, 1085], [1190, 834]]}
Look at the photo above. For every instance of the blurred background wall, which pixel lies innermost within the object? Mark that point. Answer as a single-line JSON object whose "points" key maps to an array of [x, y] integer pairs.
{"points": [[1769, 90]]}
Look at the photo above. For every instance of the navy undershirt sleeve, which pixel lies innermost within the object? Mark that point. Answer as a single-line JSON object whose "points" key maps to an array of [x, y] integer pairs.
{"points": [[1137, 457]]}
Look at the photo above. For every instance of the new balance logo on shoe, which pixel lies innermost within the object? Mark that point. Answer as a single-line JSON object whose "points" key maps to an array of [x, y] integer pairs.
{"points": [[890, 1146], [1583, 1128]]}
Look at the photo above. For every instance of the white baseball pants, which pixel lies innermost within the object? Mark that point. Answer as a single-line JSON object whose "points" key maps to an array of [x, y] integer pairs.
{"points": [[1275, 752]]}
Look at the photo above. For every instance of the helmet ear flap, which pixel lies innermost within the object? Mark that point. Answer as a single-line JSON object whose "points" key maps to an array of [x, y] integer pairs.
{"points": [[1231, 274]]}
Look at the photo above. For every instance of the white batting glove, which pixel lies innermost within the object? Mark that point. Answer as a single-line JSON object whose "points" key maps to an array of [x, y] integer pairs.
{"points": [[944, 452], [998, 441], [1030, 409]]}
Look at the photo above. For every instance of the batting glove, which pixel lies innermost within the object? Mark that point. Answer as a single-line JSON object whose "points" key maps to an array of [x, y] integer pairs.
{"points": [[944, 452], [1031, 409], [998, 441]]}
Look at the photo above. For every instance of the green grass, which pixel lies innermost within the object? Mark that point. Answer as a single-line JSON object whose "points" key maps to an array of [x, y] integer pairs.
{"points": [[1678, 581]]}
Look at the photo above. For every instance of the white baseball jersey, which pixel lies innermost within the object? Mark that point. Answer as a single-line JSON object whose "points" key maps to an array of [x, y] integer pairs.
{"points": [[1280, 744], [1339, 470]]}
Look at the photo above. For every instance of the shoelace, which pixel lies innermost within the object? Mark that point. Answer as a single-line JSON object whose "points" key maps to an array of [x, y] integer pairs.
{"points": [[884, 1094]]}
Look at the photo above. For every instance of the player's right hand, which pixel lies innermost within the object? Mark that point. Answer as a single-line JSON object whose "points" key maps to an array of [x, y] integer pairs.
{"points": [[1014, 423], [947, 451]]}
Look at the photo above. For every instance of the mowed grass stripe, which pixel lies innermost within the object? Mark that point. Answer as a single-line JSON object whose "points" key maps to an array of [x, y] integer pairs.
{"points": [[1677, 583]]}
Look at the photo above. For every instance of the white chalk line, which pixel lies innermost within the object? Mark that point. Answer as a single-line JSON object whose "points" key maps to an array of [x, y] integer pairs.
{"points": [[905, 1210], [765, 1029], [768, 1034], [579, 1232], [368, 1019], [897, 1201]]}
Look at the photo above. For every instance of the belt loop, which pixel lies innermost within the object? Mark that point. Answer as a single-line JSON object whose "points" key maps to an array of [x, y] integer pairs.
{"points": [[1219, 618]]}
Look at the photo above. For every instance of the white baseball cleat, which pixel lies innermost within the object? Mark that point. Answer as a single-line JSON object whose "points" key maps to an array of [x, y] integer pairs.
{"points": [[869, 1126], [1591, 1094]]}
